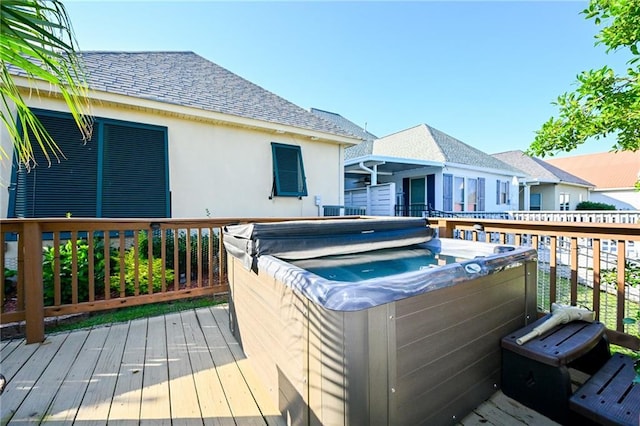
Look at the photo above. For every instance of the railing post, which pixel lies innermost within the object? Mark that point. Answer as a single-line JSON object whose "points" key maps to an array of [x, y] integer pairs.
{"points": [[445, 228], [33, 291]]}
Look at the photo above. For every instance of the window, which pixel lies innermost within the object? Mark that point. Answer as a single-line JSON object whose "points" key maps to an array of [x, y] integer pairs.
{"points": [[564, 201], [502, 192], [288, 171], [535, 201], [458, 194], [121, 172], [462, 194]]}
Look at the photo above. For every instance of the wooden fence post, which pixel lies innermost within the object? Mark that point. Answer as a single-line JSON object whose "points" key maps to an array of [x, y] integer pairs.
{"points": [[33, 289]]}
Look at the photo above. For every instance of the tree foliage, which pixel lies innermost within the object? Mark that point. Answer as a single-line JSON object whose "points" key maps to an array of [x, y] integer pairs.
{"points": [[37, 43], [605, 104]]}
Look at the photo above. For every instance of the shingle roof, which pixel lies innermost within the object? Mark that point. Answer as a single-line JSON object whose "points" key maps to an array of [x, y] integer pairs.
{"points": [[424, 142], [187, 79], [605, 170], [539, 169], [363, 148]]}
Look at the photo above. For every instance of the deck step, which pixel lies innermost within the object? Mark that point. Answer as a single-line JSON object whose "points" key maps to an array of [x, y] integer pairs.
{"points": [[609, 396]]}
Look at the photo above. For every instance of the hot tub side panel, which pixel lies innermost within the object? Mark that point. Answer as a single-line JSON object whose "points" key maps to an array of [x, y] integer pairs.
{"points": [[317, 364], [270, 322], [448, 345]]}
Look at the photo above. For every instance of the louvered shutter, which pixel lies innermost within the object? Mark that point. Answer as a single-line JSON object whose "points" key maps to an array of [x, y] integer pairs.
{"points": [[288, 171], [447, 197], [134, 178], [65, 187], [481, 192]]}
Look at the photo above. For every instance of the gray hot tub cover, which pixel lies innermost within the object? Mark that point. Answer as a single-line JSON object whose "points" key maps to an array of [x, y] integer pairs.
{"points": [[306, 239]]}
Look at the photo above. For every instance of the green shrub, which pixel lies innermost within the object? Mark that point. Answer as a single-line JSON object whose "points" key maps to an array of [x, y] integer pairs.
{"points": [[143, 274], [631, 275], [10, 283], [592, 205], [66, 264], [143, 241]]}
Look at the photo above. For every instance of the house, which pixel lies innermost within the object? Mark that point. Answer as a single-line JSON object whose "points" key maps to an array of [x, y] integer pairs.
{"points": [[613, 174], [425, 169], [176, 135], [547, 187]]}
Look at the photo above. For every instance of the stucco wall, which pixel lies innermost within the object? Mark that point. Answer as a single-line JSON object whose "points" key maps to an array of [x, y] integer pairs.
{"points": [[225, 169]]}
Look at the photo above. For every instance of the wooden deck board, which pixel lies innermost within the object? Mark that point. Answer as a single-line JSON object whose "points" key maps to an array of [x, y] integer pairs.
{"points": [[184, 401], [20, 384], [8, 347], [96, 403], [65, 405], [155, 404], [128, 392], [502, 410], [241, 401], [259, 391], [16, 358], [211, 397], [183, 368], [35, 405]]}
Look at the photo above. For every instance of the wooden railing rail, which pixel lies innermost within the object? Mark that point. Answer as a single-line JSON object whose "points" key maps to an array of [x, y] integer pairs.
{"points": [[562, 247]]}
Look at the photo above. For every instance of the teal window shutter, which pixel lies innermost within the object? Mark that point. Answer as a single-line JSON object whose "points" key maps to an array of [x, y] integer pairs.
{"points": [[133, 180], [67, 186], [121, 172], [288, 171]]}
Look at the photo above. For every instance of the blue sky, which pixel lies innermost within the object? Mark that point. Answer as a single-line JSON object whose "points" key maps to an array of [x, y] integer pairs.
{"points": [[483, 72]]}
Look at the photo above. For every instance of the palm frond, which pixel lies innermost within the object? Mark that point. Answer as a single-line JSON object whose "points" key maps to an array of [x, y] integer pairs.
{"points": [[37, 43]]}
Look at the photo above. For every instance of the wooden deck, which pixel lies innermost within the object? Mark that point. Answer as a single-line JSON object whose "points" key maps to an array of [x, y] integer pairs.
{"points": [[181, 368]]}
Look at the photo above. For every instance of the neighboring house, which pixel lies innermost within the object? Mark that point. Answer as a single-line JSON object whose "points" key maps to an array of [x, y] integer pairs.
{"points": [[176, 135], [546, 187], [613, 175], [427, 168]]}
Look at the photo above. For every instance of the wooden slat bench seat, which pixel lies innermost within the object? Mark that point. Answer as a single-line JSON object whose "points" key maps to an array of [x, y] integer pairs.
{"points": [[609, 397]]}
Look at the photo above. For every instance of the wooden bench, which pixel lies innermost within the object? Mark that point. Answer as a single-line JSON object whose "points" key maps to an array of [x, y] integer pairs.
{"points": [[537, 373], [609, 397]]}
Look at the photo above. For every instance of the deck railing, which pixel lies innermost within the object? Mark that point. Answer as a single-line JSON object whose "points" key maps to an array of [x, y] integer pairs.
{"points": [[55, 267], [578, 263], [95, 264]]}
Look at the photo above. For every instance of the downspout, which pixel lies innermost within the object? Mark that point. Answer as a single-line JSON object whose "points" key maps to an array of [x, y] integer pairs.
{"points": [[373, 172]]}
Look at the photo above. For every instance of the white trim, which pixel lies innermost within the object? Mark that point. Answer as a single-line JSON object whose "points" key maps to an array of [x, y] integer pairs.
{"points": [[384, 159]]}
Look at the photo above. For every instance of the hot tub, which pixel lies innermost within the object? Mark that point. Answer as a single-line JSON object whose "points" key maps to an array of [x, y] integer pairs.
{"points": [[373, 321]]}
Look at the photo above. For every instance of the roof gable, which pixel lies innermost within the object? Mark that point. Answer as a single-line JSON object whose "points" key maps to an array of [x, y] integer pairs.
{"points": [[424, 142]]}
